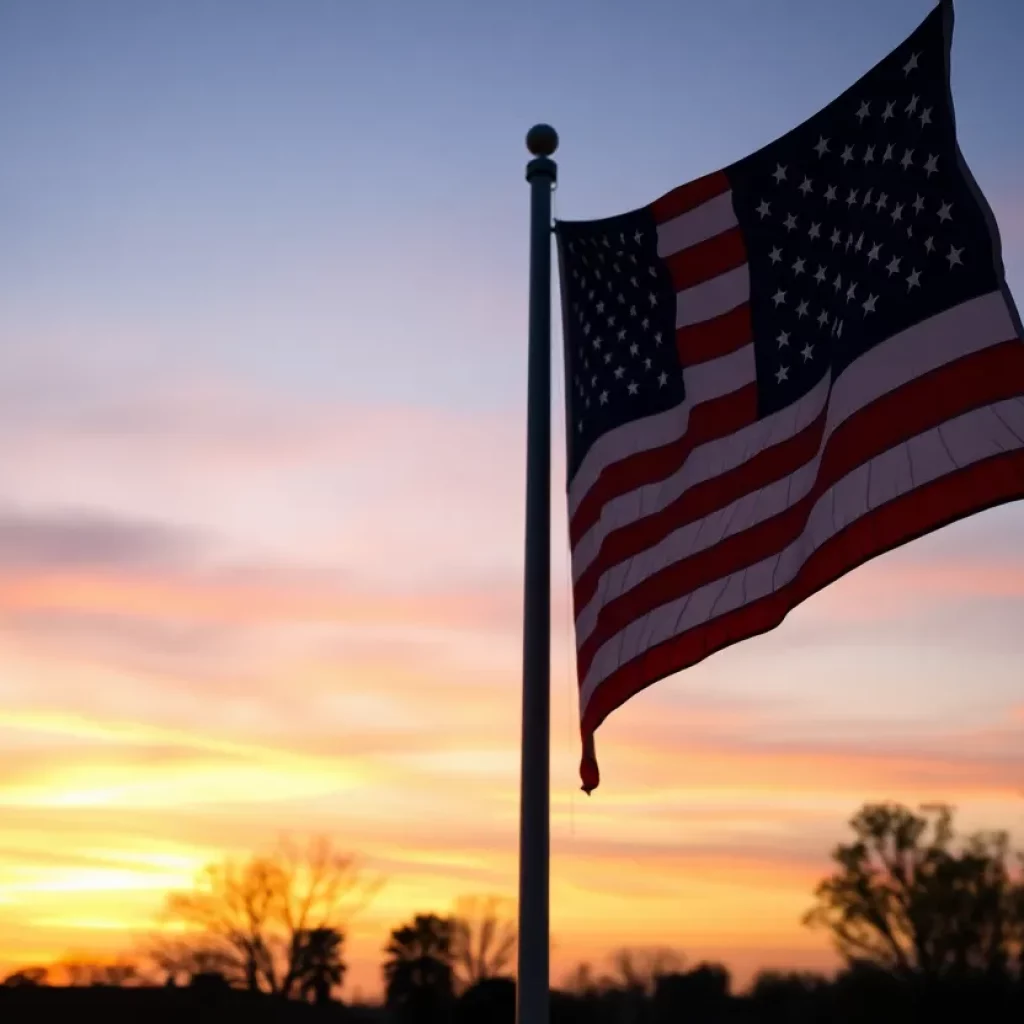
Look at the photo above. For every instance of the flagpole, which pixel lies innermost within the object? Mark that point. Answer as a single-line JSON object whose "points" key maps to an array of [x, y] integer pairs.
{"points": [[534, 845]]}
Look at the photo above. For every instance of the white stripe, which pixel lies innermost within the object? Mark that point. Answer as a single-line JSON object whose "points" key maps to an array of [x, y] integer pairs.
{"points": [[713, 297], [948, 336], [701, 382], [953, 445], [697, 225]]}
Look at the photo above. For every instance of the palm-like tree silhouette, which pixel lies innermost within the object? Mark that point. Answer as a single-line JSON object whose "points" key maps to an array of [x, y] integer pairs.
{"points": [[319, 967], [418, 969]]}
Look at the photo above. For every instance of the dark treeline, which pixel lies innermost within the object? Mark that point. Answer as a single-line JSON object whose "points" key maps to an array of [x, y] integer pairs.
{"points": [[927, 924]]}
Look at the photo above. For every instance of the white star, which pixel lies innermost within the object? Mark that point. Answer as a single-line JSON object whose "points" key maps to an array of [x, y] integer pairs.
{"points": [[847, 154], [869, 154], [647, 363], [894, 266], [823, 318], [881, 201], [836, 237], [907, 160], [912, 105], [634, 349], [944, 213], [914, 281], [775, 255], [815, 231], [954, 257], [819, 275], [867, 197], [860, 242], [638, 237], [807, 351], [783, 339], [887, 113], [798, 267], [862, 111], [619, 371], [918, 204], [622, 334], [600, 307], [789, 223], [897, 212], [850, 291], [911, 64], [805, 186], [838, 282], [633, 281], [822, 146], [632, 387], [926, 116], [869, 304], [801, 309], [653, 298], [662, 379], [929, 244], [780, 174], [779, 297], [579, 425], [852, 197], [657, 337], [597, 341], [873, 252], [830, 193], [930, 165], [764, 209], [837, 327], [645, 323], [603, 397], [887, 155], [783, 374]]}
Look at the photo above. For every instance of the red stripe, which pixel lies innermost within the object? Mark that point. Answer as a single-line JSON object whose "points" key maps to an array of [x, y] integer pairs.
{"points": [[708, 421], [700, 500], [988, 376], [909, 408], [970, 490], [707, 259], [715, 337], [686, 197]]}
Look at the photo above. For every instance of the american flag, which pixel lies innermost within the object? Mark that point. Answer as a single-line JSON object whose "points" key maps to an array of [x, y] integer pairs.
{"points": [[779, 371]]}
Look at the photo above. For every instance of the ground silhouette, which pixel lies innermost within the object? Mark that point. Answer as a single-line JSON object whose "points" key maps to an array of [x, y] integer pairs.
{"points": [[929, 925]]}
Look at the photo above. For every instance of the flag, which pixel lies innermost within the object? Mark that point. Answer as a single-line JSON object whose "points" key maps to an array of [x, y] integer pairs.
{"points": [[779, 371]]}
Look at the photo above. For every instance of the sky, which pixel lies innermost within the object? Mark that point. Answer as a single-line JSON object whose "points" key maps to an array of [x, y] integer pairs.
{"points": [[263, 275]]}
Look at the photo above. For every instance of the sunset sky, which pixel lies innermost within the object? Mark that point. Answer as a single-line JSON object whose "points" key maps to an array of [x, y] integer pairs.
{"points": [[262, 392]]}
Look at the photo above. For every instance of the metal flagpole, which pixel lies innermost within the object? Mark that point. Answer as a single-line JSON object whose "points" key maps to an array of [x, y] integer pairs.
{"points": [[534, 847]]}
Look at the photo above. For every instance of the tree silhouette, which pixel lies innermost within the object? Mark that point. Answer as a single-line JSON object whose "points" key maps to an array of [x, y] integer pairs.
{"points": [[638, 970], [904, 897], [483, 939], [418, 972], [251, 920], [83, 970], [27, 977], [319, 965]]}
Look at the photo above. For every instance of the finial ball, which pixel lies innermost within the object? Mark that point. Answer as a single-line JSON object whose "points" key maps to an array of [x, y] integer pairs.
{"points": [[542, 140]]}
